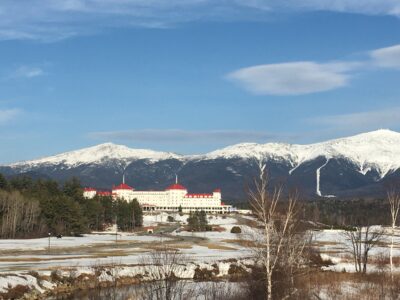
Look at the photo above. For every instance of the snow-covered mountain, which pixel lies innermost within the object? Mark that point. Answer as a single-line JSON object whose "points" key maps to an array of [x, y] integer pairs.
{"points": [[99, 154], [351, 166], [378, 150]]}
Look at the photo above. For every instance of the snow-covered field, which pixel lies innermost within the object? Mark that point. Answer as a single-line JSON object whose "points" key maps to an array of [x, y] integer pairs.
{"points": [[84, 253], [333, 245], [103, 247], [87, 240], [19, 256]]}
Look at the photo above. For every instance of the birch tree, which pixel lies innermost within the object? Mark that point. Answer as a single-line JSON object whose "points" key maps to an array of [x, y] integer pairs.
{"points": [[394, 205], [18, 215], [277, 229]]}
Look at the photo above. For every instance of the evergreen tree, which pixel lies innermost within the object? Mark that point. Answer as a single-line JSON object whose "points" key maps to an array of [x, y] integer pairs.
{"points": [[73, 189], [129, 214], [198, 221], [193, 221], [94, 212], [202, 220], [21, 183], [3, 182], [138, 213], [63, 215], [108, 209]]}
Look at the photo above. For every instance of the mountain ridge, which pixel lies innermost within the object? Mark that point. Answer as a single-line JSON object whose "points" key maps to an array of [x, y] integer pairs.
{"points": [[341, 167], [294, 153]]}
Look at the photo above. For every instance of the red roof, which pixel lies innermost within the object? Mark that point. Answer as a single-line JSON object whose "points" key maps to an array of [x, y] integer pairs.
{"points": [[89, 189], [122, 186], [217, 191], [104, 193], [175, 186]]}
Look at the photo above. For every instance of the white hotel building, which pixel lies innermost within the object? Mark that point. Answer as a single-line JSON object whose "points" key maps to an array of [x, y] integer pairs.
{"points": [[171, 199]]}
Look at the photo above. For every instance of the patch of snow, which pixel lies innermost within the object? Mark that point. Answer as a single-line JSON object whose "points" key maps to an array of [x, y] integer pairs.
{"points": [[154, 219], [218, 220], [11, 281], [318, 174]]}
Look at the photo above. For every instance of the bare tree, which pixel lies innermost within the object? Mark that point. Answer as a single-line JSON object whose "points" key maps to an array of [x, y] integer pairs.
{"points": [[18, 215], [394, 204], [362, 240], [163, 267], [293, 255], [277, 232], [219, 290]]}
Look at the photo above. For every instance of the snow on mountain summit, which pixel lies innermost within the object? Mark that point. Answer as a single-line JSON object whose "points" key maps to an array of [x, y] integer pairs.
{"points": [[379, 150], [99, 153], [253, 150]]}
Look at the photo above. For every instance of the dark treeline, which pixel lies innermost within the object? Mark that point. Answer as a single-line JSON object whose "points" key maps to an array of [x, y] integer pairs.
{"points": [[342, 213], [32, 208]]}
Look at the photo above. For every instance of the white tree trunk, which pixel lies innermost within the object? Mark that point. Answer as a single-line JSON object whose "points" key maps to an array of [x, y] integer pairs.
{"points": [[268, 264], [391, 252]]}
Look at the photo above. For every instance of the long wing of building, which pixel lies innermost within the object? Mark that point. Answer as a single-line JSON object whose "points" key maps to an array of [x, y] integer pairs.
{"points": [[173, 198]]}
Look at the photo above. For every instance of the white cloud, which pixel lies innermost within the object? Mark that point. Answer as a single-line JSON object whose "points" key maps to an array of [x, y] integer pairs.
{"points": [[388, 57], [27, 72], [184, 136], [305, 77], [7, 115], [293, 78], [51, 20], [369, 7], [368, 120]]}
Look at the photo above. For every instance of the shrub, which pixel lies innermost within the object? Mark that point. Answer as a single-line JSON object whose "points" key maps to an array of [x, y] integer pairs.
{"points": [[170, 219], [16, 292], [56, 275], [236, 229], [34, 274]]}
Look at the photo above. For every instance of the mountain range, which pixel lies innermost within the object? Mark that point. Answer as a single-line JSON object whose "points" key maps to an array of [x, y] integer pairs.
{"points": [[357, 166]]}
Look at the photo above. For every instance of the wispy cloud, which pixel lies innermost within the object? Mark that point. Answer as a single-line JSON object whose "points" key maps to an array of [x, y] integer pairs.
{"points": [[360, 121], [27, 72], [293, 78], [184, 136], [51, 20], [7, 115], [388, 57], [368, 7]]}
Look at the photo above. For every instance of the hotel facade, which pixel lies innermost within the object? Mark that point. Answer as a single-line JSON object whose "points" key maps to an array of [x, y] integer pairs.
{"points": [[173, 198]]}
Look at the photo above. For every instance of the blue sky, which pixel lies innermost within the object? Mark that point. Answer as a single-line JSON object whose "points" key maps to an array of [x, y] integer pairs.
{"points": [[195, 75]]}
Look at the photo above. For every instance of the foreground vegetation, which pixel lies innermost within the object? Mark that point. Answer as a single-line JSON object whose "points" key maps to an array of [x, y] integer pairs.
{"points": [[282, 261]]}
